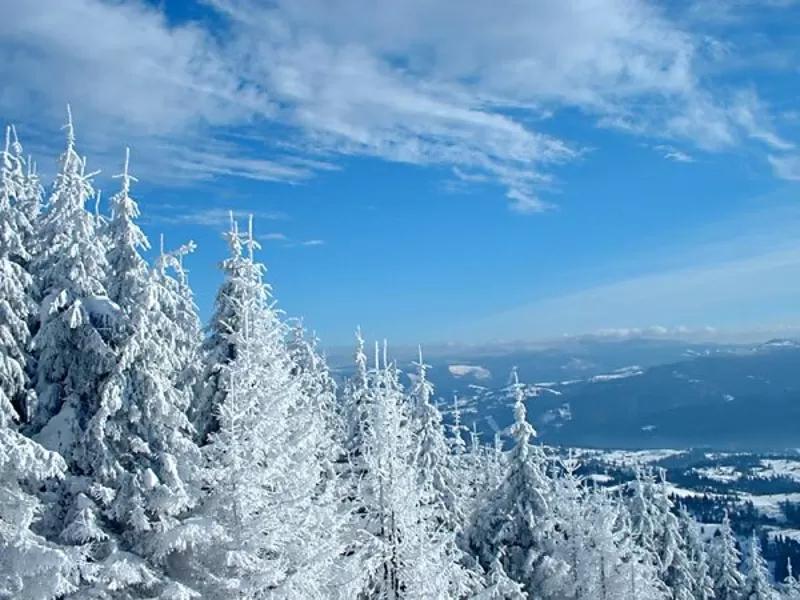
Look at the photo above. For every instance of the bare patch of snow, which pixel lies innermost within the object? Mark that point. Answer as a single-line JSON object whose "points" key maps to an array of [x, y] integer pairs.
{"points": [[478, 372]]}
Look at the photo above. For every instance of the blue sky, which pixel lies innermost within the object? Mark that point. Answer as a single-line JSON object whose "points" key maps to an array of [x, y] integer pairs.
{"points": [[440, 170]]}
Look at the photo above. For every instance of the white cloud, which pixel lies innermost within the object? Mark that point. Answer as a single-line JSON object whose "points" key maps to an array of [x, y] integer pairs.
{"points": [[273, 237], [672, 153], [207, 217], [292, 84], [786, 167]]}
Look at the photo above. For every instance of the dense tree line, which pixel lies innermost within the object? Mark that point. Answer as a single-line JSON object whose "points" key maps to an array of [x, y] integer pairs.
{"points": [[144, 456]]}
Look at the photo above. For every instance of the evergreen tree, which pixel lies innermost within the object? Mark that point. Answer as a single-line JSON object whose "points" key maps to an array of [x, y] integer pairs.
{"points": [[432, 458], [31, 567], [499, 585], [724, 567], [356, 408], [17, 306], [72, 343], [219, 348], [698, 557], [175, 297], [791, 586], [519, 517], [757, 582], [263, 528], [675, 567], [407, 557], [137, 445]]}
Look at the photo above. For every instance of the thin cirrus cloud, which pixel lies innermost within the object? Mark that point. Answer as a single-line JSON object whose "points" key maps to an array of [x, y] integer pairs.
{"points": [[737, 270], [289, 242], [291, 86]]}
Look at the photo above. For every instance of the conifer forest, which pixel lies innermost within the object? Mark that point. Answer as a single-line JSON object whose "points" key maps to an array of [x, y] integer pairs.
{"points": [[144, 454]]}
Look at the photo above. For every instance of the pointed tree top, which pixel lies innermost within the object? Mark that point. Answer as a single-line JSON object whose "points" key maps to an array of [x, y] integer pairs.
{"points": [[70, 129], [233, 237], [125, 176], [250, 241], [15, 145]]}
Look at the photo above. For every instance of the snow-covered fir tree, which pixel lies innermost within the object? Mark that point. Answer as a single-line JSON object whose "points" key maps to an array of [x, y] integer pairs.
{"points": [[17, 305], [725, 561], [72, 342], [138, 447], [31, 567], [409, 555], [757, 585], [262, 527], [219, 348], [434, 463], [176, 300], [518, 516], [790, 587], [355, 406], [697, 552]]}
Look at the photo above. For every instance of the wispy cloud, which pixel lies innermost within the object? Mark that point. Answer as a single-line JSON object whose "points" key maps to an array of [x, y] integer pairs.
{"points": [[289, 242], [207, 217], [305, 243], [672, 153], [786, 167], [736, 273], [273, 237], [292, 85]]}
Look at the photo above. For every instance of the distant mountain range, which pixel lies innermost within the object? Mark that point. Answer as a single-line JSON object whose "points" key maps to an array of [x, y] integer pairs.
{"points": [[636, 393]]}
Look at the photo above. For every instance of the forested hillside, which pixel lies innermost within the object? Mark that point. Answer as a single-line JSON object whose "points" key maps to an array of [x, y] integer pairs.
{"points": [[145, 456]]}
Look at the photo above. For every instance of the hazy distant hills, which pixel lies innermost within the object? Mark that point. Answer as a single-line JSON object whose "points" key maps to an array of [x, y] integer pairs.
{"points": [[748, 400], [636, 393]]}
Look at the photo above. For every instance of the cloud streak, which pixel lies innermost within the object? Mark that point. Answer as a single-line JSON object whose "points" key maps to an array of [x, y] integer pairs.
{"points": [[280, 91], [742, 271]]}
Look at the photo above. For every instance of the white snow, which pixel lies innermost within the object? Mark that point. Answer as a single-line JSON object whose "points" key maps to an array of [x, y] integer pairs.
{"points": [[478, 372]]}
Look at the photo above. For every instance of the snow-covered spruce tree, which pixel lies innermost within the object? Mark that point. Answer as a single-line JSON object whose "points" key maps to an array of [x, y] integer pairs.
{"points": [[724, 564], [499, 586], [757, 584], [640, 568], [176, 300], [30, 204], [17, 305], [320, 395], [675, 568], [356, 407], [71, 345], [407, 557], [31, 568], [219, 348], [698, 557], [136, 447], [22, 196], [594, 540], [518, 516], [262, 528], [790, 587], [458, 445], [571, 542], [645, 515], [432, 458]]}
